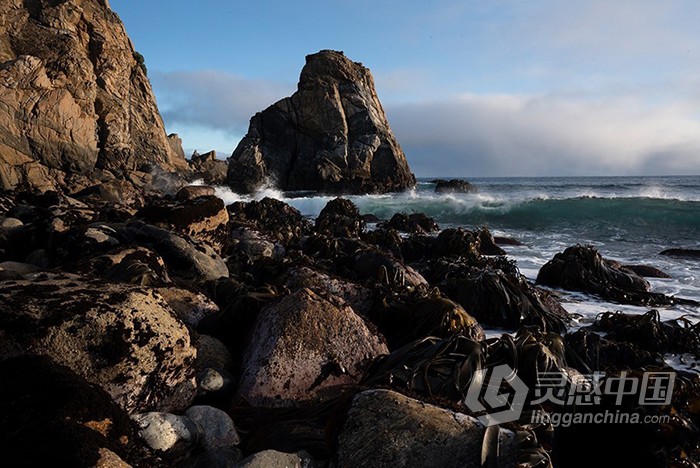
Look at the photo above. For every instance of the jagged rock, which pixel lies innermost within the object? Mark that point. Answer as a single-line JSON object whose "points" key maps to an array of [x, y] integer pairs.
{"points": [[682, 253], [51, 416], [195, 191], [417, 223], [300, 347], [209, 169], [454, 186], [122, 338], [340, 218], [74, 97], [387, 429], [582, 268], [330, 136], [272, 217]]}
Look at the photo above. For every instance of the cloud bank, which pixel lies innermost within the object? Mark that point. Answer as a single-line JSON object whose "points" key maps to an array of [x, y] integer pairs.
{"points": [[473, 135]]}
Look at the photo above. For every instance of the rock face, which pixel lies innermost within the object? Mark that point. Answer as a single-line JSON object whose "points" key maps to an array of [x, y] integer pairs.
{"points": [[331, 136], [301, 346], [385, 428], [123, 338], [75, 99]]}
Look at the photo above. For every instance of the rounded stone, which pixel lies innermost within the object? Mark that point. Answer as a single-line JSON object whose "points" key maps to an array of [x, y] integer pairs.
{"points": [[215, 427]]}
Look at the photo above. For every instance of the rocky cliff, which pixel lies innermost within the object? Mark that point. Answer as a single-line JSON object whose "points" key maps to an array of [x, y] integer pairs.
{"points": [[75, 103], [331, 135]]}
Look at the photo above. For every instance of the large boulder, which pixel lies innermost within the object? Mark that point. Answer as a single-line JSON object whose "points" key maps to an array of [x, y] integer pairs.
{"points": [[303, 345], [75, 98], [331, 135], [123, 338], [387, 429], [53, 417]]}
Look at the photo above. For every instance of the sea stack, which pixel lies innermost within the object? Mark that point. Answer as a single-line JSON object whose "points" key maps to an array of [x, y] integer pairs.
{"points": [[330, 136], [76, 105]]}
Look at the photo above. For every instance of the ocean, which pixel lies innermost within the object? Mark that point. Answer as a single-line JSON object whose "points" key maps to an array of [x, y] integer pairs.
{"points": [[628, 219]]}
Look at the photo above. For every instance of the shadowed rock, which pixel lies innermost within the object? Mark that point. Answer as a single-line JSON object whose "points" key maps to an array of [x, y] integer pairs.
{"points": [[331, 136], [454, 186], [693, 254]]}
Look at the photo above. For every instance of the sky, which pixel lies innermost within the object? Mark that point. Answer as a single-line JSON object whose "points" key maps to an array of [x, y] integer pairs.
{"points": [[470, 87]]}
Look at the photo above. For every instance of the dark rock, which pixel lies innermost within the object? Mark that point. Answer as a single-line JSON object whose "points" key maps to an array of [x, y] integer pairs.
{"points": [[387, 429], [328, 345], [273, 218], [122, 338], [370, 218], [139, 266], [463, 243], [500, 240], [340, 218], [53, 417], [587, 352], [191, 192], [219, 458], [199, 218], [209, 169], [582, 268], [372, 264], [404, 316], [417, 223], [215, 427], [75, 99], [647, 271], [387, 238], [189, 306], [334, 289], [453, 186], [498, 295], [682, 253], [330, 136]]}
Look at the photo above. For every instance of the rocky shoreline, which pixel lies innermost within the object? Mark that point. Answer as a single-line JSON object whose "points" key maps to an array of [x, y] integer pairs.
{"points": [[144, 322], [215, 334]]}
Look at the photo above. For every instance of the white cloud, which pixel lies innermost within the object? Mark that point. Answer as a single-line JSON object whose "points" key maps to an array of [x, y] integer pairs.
{"points": [[546, 135]]}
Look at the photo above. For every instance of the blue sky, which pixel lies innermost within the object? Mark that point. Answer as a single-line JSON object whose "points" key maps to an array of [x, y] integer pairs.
{"points": [[471, 88]]}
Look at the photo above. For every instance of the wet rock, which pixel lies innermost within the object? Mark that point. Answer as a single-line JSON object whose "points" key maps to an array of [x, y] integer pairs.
{"points": [[647, 271], [582, 268], [330, 136], [692, 254], [272, 217], [417, 223], [192, 192], [454, 186], [123, 338], [387, 238], [463, 243], [500, 240], [328, 346], [340, 218], [215, 427], [407, 315], [53, 417], [275, 459], [588, 351], [190, 307], [387, 429], [377, 265], [166, 432], [498, 295]]}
